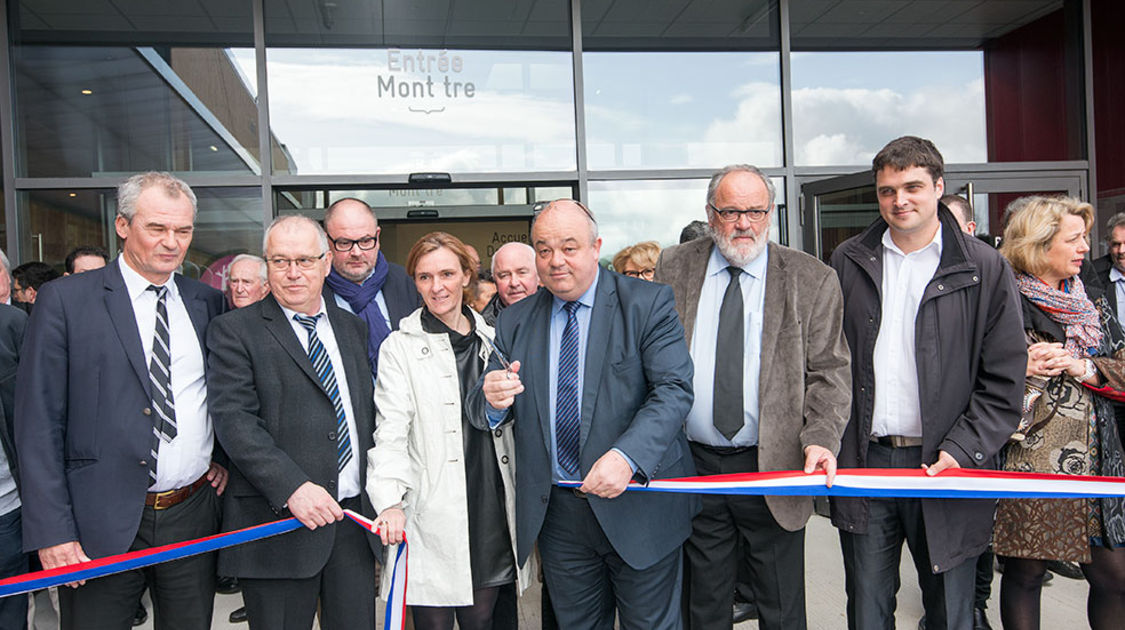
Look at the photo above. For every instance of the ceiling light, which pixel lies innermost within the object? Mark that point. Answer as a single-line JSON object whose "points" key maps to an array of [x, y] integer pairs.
{"points": [[214, 148], [87, 92], [73, 194]]}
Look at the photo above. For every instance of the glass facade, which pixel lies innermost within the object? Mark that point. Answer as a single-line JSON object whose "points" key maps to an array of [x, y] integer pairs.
{"points": [[625, 104]]}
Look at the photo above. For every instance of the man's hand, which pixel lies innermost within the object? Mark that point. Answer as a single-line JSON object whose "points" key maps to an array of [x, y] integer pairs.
{"points": [[501, 386], [63, 555], [944, 461], [218, 476], [392, 525], [820, 458], [609, 476], [313, 506]]}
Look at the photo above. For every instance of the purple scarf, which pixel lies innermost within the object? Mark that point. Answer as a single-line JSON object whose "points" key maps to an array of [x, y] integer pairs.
{"points": [[361, 298], [1069, 308]]}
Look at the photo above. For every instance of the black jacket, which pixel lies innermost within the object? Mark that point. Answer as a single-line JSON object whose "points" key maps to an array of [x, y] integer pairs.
{"points": [[12, 323], [971, 358]]}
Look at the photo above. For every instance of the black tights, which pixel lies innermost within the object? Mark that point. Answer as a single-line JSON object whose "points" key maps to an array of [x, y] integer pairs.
{"points": [[1023, 579], [475, 617]]}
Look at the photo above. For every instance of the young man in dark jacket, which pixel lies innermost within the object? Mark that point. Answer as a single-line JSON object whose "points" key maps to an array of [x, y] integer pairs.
{"points": [[933, 321]]}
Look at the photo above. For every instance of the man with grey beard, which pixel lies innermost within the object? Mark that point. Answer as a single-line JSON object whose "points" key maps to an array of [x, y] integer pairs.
{"points": [[772, 392]]}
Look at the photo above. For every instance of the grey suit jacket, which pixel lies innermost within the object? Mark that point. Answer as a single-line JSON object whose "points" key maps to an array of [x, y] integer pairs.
{"points": [[278, 427], [804, 388]]}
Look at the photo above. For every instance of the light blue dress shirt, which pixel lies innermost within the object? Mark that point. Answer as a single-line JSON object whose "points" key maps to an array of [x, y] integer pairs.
{"points": [[700, 422], [1118, 280]]}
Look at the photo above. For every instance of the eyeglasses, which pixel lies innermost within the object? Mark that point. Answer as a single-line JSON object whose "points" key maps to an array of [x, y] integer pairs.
{"points": [[647, 274], [304, 262], [345, 244], [730, 215]]}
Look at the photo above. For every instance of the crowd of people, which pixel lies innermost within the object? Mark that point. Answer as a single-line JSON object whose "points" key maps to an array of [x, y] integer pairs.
{"points": [[447, 404]]}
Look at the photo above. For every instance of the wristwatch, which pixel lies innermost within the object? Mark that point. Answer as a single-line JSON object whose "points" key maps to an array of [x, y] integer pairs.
{"points": [[1091, 371]]}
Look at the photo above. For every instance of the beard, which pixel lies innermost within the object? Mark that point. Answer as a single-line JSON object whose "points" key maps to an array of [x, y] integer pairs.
{"points": [[739, 255]]}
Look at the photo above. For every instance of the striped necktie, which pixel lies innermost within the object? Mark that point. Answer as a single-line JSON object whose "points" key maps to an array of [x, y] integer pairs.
{"points": [[323, 367], [160, 373], [568, 418]]}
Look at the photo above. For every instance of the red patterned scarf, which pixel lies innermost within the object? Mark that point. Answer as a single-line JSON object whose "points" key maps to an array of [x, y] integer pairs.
{"points": [[1070, 308]]}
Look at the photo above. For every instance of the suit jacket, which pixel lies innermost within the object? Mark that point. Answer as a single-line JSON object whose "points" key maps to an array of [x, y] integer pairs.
{"points": [[278, 426], [1102, 267], [12, 324], [81, 396], [804, 387], [636, 392], [399, 293]]}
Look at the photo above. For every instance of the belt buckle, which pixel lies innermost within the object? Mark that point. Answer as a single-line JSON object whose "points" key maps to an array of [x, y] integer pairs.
{"points": [[158, 499]]}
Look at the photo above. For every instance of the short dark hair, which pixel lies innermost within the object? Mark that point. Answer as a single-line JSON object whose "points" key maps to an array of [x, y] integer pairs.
{"points": [[34, 274], [908, 152], [695, 229], [84, 250]]}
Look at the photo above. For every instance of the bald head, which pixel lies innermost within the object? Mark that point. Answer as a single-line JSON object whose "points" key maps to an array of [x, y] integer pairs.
{"points": [[513, 269], [351, 226], [566, 243]]}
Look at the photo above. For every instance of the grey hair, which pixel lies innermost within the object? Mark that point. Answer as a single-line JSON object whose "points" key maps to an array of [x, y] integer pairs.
{"points": [[4, 261], [321, 235], [130, 190], [717, 178], [263, 273], [528, 249], [1115, 221], [590, 220]]}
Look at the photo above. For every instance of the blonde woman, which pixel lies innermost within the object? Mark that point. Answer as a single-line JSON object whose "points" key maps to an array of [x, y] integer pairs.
{"points": [[638, 261], [432, 477], [1073, 339]]}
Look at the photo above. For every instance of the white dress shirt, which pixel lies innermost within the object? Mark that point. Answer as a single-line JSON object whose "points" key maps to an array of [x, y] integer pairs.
{"points": [[700, 422], [348, 484], [898, 409], [184, 459], [1118, 280]]}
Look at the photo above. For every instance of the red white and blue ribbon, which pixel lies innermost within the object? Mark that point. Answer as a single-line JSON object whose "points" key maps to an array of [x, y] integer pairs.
{"points": [[396, 599], [101, 567], [850, 482], [955, 483]]}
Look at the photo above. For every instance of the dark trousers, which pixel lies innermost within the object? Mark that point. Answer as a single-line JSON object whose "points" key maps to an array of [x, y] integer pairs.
{"points": [[588, 580], [13, 561], [183, 592], [775, 557], [344, 588], [982, 590], [871, 560]]}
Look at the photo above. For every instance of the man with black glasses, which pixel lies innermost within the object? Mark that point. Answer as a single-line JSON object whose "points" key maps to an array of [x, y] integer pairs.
{"points": [[362, 280]]}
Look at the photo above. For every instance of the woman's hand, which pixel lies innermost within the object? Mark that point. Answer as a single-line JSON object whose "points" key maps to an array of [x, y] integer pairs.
{"points": [[391, 523], [1046, 359]]}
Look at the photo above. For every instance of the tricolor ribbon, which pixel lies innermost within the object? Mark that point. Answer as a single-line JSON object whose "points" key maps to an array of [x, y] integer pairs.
{"points": [[954, 483], [101, 567], [957, 483]]}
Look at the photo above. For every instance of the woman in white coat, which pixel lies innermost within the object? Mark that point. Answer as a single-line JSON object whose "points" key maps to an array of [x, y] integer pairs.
{"points": [[431, 476]]}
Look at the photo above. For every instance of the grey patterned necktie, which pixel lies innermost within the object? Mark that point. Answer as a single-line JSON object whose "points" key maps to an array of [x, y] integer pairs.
{"points": [[160, 373]]}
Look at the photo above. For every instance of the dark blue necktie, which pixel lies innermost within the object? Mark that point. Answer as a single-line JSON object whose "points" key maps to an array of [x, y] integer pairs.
{"points": [[323, 366], [568, 418]]}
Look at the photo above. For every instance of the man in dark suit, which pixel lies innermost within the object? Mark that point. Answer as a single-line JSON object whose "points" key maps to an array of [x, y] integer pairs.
{"points": [[772, 387], [1110, 268], [112, 417], [13, 560], [609, 382], [291, 393], [362, 280]]}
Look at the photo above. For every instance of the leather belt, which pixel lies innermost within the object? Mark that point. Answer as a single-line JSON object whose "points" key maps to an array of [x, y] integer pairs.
{"points": [[896, 441], [724, 450], [165, 500]]}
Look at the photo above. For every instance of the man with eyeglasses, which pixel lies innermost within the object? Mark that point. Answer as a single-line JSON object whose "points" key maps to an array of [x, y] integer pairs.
{"points": [[772, 387], [292, 400], [362, 280]]}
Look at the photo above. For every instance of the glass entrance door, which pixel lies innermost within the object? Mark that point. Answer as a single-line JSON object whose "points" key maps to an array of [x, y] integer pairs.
{"points": [[485, 216], [837, 208]]}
